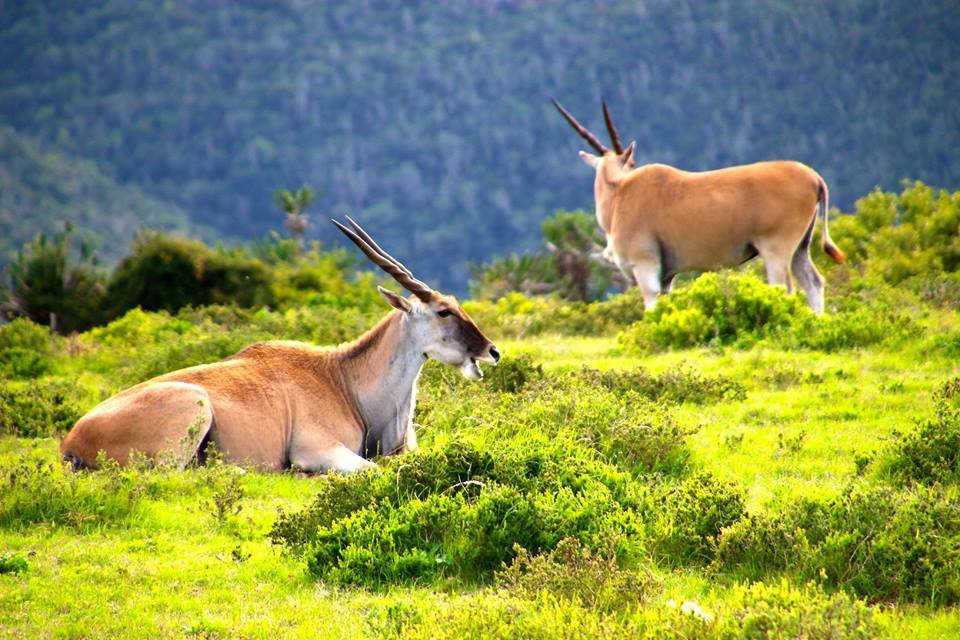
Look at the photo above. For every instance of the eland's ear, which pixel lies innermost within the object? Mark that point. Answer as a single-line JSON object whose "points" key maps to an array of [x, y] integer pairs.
{"points": [[590, 159], [627, 156], [396, 300]]}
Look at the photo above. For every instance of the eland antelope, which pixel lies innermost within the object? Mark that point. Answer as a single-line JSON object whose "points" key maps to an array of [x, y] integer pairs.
{"points": [[280, 404], [660, 221]]}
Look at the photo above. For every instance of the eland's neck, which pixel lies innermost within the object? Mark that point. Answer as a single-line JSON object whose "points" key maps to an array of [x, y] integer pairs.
{"points": [[382, 367]]}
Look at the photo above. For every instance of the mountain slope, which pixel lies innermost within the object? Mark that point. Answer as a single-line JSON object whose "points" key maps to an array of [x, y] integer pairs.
{"points": [[41, 190], [431, 121]]}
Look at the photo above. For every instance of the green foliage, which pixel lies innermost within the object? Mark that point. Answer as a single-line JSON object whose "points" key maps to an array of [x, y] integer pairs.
{"points": [[49, 286], [715, 309], [572, 572], [40, 491], [697, 510], [167, 273], [740, 310], [931, 452], [759, 610], [13, 563], [517, 316], [26, 349], [898, 237], [879, 543], [41, 408], [564, 268]]}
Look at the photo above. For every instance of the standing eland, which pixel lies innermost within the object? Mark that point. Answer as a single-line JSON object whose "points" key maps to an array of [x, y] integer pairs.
{"points": [[280, 404], [661, 221]]}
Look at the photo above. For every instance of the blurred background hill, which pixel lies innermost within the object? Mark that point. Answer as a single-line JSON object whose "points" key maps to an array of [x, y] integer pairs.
{"points": [[430, 122]]}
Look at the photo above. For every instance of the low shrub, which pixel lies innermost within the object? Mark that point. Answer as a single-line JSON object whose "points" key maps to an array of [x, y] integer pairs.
{"points": [[516, 315], [880, 543], [688, 517], [41, 491], [931, 452], [682, 384], [13, 563], [41, 409], [739, 310], [749, 611], [26, 349], [715, 309], [455, 509], [572, 572]]}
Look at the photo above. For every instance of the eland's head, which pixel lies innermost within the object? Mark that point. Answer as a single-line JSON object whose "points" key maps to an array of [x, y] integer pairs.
{"points": [[611, 164], [439, 326]]}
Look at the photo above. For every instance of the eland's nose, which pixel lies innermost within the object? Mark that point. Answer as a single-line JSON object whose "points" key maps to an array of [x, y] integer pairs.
{"points": [[494, 354]]}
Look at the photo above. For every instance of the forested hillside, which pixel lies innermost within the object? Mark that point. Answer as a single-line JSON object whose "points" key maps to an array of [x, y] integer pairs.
{"points": [[41, 188], [431, 121]]}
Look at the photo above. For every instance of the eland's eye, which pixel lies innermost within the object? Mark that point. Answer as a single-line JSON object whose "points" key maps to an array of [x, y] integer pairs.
{"points": [[443, 313]]}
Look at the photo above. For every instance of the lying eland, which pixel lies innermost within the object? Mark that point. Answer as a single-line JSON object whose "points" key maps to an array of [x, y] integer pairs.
{"points": [[661, 221], [280, 404]]}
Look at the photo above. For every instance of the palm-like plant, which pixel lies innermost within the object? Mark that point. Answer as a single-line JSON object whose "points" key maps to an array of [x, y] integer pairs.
{"points": [[293, 204]]}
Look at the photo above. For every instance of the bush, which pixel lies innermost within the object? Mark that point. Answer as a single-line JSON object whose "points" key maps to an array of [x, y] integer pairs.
{"points": [[880, 544], [572, 572], [611, 413], [166, 273], [48, 285], [900, 236], [715, 309], [739, 310], [41, 409], [517, 315], [456, 509], [694, 512], [40, 490], [755, 611], [13, 563], [930, 453], [26, 349], [563, 268]]}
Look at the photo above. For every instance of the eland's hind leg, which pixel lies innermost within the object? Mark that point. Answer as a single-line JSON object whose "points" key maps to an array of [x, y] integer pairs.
{"points": [[162, 419], [808, 278]]}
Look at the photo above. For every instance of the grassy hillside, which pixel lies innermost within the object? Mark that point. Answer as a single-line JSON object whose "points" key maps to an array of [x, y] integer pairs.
{"points": [[425, 121], [42, 188]]}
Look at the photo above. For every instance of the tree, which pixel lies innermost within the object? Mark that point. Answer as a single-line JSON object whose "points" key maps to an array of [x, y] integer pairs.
{"points": [[293, 204]]}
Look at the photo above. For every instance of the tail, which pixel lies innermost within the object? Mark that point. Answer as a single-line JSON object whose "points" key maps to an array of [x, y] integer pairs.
{"points": [[823, 202]]}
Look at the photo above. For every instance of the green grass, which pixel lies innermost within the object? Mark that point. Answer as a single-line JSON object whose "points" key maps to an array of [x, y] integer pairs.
{"points": [[170, 569]]}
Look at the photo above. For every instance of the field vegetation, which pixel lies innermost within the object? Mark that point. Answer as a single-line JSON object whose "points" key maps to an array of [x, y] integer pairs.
{"points": [[727, 466]]}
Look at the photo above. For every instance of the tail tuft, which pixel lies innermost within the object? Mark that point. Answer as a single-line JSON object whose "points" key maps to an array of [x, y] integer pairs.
{"points": [[834, 252]]}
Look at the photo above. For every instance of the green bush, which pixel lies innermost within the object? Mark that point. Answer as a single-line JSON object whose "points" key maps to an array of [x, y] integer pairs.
{"points": [[562, 268], [41, 491], [931, 452], [748, 612], [41, 409], [880, 543], [739, 310], [517, 315], [572, 572], [26, 349], [689, 516], [48, 285], [455, 509], [13, 563], [167, 273], [900, 236], [715, 309]]}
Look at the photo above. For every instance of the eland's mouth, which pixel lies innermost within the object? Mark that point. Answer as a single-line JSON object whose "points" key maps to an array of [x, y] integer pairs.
{"points": [[471, 369]]}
